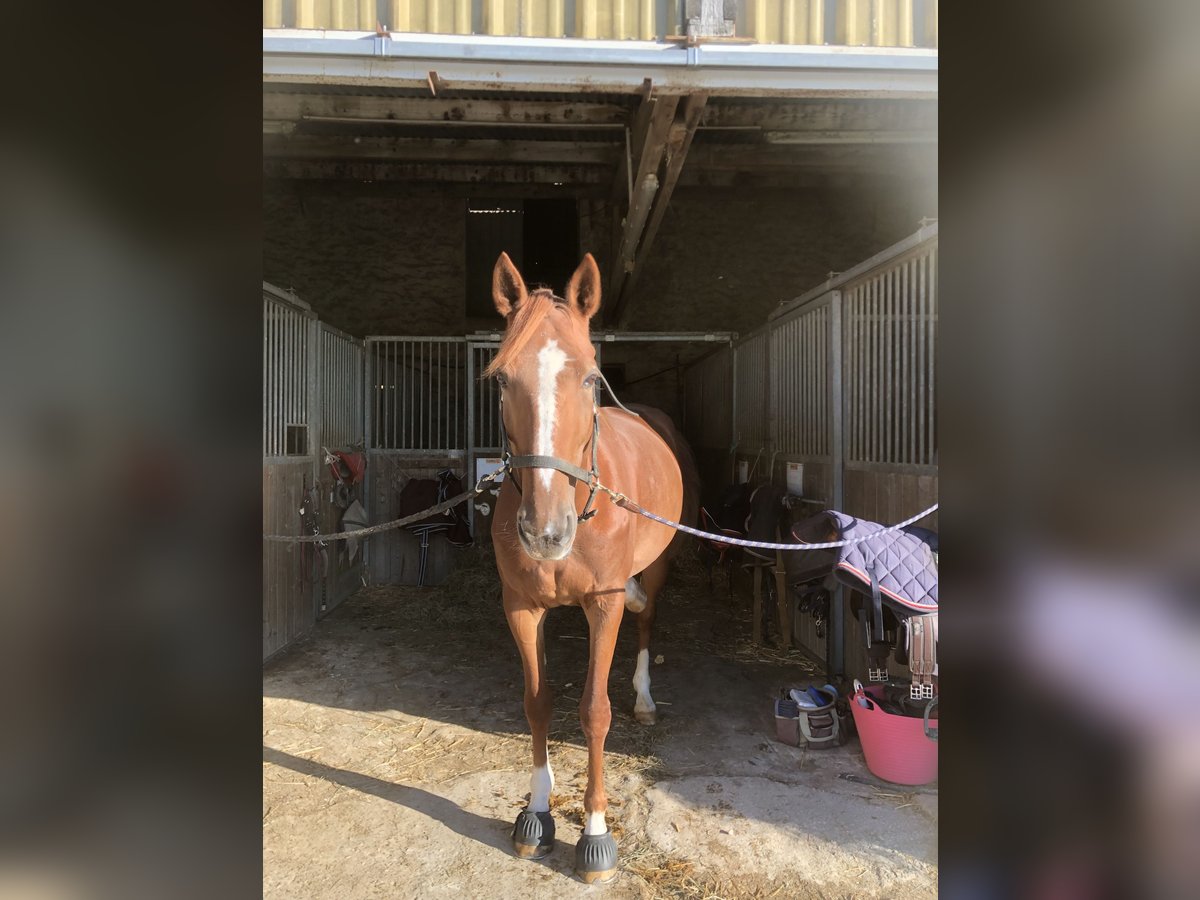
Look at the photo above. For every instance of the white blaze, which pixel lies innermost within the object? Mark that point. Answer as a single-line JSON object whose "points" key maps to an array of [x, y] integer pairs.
{"points": [[540, 786], [641, 683], [595, 824], [550, 360]]}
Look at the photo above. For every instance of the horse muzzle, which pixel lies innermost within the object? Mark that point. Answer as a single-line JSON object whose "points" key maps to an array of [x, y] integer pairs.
{"points": [[548, 540]]}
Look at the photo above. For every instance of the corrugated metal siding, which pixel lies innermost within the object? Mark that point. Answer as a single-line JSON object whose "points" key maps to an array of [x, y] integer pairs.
{"points": [[800, 383], [890, 355], [527, 18], [617, 19], [880, 23], [708, 402], [750, 382], [430, 16], [784, 21], [874, 23]]}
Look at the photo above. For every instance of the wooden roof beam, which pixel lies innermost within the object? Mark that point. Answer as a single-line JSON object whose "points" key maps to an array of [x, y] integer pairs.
{"points": [[679, 142], [310, 146], [651, 133], [484, 175], [370, 110]]}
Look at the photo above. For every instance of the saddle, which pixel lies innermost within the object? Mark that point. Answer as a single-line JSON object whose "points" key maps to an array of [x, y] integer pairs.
{"points": [[422, 493], [897, 571], [348, 469], [763, 520]]}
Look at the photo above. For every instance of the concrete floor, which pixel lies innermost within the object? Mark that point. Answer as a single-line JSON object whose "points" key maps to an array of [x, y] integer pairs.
{"points": [[396, 756]]}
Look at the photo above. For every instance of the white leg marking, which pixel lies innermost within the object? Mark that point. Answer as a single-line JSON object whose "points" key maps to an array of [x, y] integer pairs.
{"points": [[540, 786], [550, 362], [635, 597], [641, 683], [595, 824]]}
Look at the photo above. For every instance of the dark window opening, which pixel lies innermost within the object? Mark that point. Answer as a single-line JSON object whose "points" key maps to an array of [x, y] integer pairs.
{"points": [[296, 440], [551, 237], [540, 236]]}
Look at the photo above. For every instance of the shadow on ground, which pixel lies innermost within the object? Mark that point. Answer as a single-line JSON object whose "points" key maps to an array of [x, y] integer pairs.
{"points": [[411, 698]]}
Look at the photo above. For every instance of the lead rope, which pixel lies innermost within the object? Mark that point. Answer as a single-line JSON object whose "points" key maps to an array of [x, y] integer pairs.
{"points": [[617, 498], [625, 503]]}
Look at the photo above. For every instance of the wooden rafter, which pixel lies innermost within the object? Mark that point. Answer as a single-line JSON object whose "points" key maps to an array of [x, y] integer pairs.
{"points": [[651, 133], [668, 139], [370, 109], [406, 149], [680, 141]]}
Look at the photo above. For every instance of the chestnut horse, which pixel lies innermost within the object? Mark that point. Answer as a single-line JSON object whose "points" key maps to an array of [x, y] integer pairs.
{"points": [[559, 542]]}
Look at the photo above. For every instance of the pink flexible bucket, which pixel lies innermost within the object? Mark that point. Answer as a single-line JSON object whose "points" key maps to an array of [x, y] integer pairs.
{"points": [[896, 747]]}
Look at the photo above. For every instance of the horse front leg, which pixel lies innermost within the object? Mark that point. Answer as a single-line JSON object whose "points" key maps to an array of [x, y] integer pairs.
{"points": [[533, 832], [596, 852]]}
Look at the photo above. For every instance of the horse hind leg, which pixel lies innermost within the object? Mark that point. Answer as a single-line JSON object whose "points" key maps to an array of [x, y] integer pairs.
{"points": [[653, 580], [635, 596]]}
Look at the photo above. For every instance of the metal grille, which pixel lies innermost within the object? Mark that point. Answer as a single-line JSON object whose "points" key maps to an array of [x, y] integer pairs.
{"points": [[750, 380], [417, 400], [341, 388], [800, 383], [486, 419], [285, 379], [890, 353]]}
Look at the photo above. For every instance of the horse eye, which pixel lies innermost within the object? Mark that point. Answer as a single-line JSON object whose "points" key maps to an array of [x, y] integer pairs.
{"points": [[501, 380], [590, 381]]}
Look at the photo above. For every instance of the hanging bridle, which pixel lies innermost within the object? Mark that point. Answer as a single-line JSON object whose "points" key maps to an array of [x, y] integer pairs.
{"points": [[575, 473]]}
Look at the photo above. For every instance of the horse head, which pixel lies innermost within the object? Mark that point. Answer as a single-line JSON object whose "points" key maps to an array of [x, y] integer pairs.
{"points": [[547, 372]]}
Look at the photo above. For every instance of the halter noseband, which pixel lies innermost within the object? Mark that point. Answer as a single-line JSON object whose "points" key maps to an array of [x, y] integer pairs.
{"points": [[512, 463]]}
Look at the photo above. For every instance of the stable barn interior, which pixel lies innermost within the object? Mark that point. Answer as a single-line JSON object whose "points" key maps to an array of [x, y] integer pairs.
{"points": [[769, 262], [763, 210], [707, 325]]}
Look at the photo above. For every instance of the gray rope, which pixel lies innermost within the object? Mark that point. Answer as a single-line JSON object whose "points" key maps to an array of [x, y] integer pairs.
{"points": [[479, 488], [625, 503], [613, 394]]}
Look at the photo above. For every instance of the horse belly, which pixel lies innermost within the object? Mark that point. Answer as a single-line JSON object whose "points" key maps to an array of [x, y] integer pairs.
{"points": [[651, 539]]}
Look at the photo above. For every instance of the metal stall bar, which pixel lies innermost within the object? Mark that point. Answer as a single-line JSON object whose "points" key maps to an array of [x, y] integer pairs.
{"points": [[419, 400], [837, 443]]}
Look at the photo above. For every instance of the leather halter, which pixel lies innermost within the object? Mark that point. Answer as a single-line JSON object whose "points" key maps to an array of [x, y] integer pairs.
{"points": [[573, 472]]}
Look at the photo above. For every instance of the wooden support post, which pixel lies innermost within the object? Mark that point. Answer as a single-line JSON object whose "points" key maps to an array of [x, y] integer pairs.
{"points": [[756, 610], [650, 136], [678, 143], [783, 604]]}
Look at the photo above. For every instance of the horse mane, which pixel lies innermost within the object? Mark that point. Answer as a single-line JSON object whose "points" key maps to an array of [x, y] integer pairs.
{"points": [[538, 304]]}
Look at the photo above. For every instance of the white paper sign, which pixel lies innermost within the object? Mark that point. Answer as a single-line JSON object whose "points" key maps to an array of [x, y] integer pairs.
{"points": [[743, 471], [795, 479]]}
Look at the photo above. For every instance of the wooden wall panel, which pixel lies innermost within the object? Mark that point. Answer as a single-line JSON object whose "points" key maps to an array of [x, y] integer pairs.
{"points": [[395, 555], [341, 578], [287, 589]]}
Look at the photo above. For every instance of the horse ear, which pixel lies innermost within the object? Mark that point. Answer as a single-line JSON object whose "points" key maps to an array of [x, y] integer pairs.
{"points": [[508, 287], [583, 290]]}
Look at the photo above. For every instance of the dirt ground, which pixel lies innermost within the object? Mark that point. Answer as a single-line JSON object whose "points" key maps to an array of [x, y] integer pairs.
{"points": [[396, 756]]}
